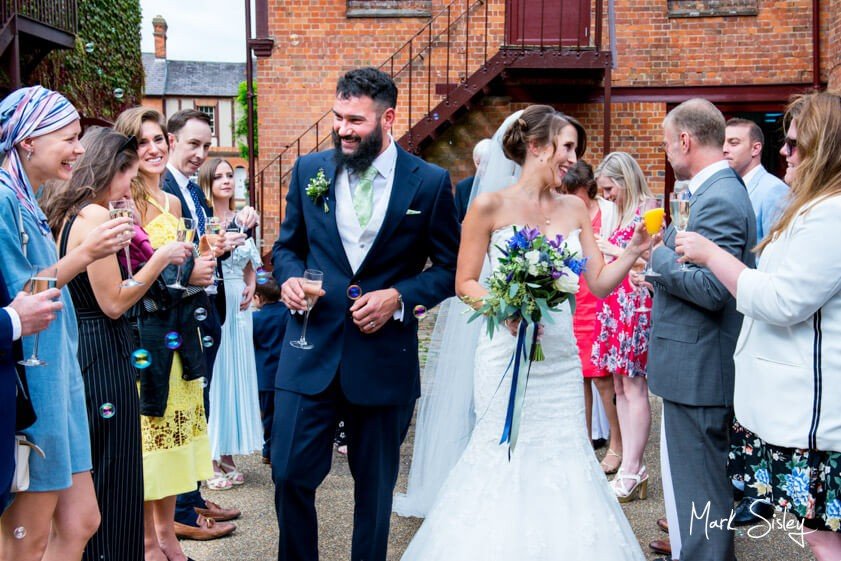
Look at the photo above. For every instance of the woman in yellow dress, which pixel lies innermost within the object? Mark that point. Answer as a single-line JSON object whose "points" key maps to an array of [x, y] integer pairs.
{"points": [[176, 448]]}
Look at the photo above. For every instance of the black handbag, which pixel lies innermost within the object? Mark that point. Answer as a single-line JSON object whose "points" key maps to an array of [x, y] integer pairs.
{"points": [[24, 412]]}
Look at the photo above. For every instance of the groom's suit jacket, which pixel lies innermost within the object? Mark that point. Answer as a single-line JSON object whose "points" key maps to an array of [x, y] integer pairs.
{"points": [[420, 225], [694, 322]]}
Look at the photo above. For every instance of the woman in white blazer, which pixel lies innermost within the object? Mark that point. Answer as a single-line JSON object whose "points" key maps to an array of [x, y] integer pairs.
{"points": [[788, 357]]}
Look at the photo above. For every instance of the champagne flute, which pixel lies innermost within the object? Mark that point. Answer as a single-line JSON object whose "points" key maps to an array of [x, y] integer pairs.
{"points": [[213, 233], [240, 225], [184, 233], [679, 206], [312, 286], [124, 208], [39, 283], [652, 217]]}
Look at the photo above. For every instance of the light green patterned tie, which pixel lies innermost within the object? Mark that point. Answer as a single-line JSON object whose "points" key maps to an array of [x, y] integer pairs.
{"points": [[363, 197]]}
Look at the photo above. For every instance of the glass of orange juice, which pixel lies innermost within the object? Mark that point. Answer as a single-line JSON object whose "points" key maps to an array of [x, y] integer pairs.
{"points": [[653, 214]]}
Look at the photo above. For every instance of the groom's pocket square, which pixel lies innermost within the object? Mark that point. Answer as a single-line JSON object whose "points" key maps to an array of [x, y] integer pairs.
{"points": [[412, 212]]}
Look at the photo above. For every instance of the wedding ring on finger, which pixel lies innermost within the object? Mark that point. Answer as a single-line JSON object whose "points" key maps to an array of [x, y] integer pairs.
{"points": [[371, 324]]}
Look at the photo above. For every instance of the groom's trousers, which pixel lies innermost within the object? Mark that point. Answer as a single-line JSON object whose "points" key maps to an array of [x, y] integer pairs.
{"points": [[301, 455]]}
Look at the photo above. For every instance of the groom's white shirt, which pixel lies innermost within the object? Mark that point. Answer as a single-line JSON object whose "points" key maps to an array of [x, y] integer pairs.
{"points": [[355, 239]]}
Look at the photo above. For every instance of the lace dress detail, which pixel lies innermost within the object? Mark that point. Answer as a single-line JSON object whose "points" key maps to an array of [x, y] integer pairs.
{"points": [[176, 448], [551, 499]]}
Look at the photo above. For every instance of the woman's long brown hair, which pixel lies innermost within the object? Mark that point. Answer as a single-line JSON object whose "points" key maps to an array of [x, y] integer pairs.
{"points": [[107, 153], [817, 117]]}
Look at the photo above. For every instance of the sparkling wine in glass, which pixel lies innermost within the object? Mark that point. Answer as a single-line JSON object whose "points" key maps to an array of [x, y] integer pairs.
{"points": [[39, 283], [184, 233], [311, 284], [124, 208], [679, 206], [213, 233]]}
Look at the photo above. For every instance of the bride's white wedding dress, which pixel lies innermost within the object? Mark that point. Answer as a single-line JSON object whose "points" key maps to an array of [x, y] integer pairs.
{"points": [[551, 501]]}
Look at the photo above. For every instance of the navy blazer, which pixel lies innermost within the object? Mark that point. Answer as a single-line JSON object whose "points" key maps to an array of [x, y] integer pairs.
{"points": [[463, 189], [8, 389], [170, 185], [269, 328], [381, 368]]}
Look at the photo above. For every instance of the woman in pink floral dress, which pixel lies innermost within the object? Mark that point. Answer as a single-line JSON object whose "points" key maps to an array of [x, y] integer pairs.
{"points": [[621, 346]]}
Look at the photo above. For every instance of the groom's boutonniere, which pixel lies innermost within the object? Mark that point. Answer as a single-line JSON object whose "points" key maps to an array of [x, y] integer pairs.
{"points": [[317, 188]]}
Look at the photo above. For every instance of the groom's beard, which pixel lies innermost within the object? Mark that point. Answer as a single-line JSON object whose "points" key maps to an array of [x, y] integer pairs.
{"points": [[364, 155]]}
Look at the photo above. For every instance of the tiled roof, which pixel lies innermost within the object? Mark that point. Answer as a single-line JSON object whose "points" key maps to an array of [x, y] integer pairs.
{"points": [[194, 78]]}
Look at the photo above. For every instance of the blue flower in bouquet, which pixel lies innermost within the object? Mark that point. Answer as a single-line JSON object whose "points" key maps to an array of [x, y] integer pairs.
{"points": [[577, 265]]}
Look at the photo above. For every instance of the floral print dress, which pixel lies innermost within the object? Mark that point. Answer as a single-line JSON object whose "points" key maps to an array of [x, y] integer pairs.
{"points": [[621, 345], [805, 483]]}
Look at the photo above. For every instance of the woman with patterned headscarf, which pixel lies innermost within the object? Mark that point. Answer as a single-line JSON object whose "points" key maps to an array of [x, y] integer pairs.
{"points": [[39, 142]]}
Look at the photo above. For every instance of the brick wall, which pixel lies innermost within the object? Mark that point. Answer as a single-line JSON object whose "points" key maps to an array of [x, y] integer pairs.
{"points": [[831, 44], [636, 129], [316, 41], [655, 50]]}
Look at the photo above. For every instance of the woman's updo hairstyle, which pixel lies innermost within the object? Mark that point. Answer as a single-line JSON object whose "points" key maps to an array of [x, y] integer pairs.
{"points": [[540, 124]]}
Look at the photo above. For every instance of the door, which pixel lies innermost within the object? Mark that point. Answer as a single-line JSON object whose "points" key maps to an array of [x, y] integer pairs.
{"points": [[547, 23]]}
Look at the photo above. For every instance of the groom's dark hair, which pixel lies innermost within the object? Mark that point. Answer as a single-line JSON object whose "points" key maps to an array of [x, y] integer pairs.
{"points": [[368, 82]]}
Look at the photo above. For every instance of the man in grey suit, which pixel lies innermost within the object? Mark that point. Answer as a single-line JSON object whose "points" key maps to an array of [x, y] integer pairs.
{"points": [[694, 329], [743, 144]]}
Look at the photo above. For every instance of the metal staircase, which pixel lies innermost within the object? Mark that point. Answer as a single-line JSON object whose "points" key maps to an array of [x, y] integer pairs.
{"points": [[457, 58], [29, 31]]}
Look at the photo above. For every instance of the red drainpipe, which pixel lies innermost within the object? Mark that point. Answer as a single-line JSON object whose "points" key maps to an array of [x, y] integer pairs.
{"points": [[816, 45]]}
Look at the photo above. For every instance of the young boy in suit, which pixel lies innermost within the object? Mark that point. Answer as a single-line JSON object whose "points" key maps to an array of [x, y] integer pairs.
{"points": [[269, 326]]}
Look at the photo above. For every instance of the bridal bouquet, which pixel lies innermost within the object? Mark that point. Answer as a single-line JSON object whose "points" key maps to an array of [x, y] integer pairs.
{"points": [[532, 277]]}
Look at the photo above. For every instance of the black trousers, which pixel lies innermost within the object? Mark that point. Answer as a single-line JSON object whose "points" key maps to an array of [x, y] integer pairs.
{"points": [[301, 454], [267, 417], [186, 503]]}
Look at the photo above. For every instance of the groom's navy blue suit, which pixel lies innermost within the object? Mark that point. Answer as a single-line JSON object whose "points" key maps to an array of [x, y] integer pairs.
{"points": [[373, 380]]}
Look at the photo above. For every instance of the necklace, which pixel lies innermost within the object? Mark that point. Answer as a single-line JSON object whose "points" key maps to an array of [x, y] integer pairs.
{"points": [[546, 219]]}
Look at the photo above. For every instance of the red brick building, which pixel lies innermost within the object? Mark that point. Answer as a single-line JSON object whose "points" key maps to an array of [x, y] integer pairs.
{"points": [[462, 65]]}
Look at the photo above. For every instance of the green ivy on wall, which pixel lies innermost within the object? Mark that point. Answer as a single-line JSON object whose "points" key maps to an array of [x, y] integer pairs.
{"points": [[103, 75], [242, 122]]}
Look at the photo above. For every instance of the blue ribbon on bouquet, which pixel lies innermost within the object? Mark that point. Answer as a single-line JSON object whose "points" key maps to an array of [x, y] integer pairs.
{"points": [[517, 395]]}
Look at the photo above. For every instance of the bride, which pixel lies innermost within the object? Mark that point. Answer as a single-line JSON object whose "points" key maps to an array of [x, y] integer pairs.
{"points": [[550, 500]]}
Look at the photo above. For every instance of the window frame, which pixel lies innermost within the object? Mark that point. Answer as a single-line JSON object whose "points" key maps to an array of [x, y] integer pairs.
{"points": [[711, 8]]}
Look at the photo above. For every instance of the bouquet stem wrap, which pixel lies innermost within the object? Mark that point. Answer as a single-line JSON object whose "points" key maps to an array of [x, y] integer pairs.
{"points": [[525, 333]]}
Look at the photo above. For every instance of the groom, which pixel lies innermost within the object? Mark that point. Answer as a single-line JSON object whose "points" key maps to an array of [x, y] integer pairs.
{"points": [[369, 216]]}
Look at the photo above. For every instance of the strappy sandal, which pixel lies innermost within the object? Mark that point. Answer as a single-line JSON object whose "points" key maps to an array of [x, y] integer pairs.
{"points": [[231, 472], [639, 490], [219, 482], [608, 468]]}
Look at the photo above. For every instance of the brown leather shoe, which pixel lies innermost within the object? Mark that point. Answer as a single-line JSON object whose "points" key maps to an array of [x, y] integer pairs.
{"points": [[217, 513], [661, 546], [663, 524], [207, 529]]}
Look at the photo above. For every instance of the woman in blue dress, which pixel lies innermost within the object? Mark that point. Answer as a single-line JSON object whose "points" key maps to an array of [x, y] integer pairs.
{"points": [[39, 142], [234, 425]]}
